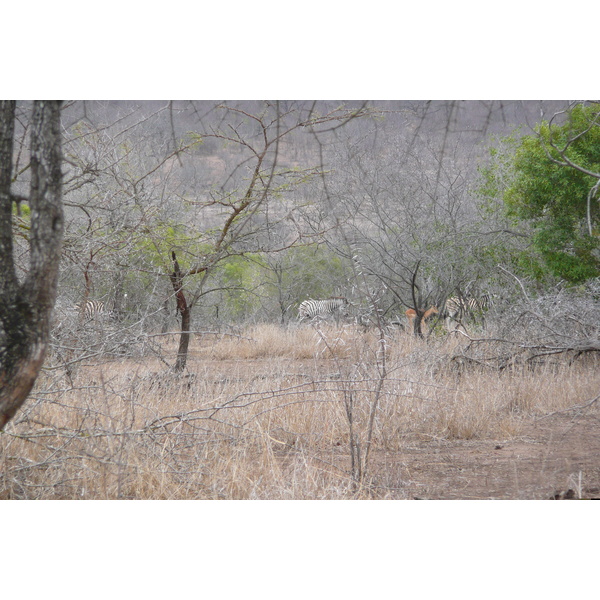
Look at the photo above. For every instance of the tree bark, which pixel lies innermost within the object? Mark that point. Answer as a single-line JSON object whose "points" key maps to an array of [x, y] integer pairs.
{"points": [[417, 330], [26, 307], [186, 315]]}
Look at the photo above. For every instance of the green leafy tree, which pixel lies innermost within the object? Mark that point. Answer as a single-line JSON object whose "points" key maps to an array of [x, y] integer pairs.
{"points": [[554, 186]]}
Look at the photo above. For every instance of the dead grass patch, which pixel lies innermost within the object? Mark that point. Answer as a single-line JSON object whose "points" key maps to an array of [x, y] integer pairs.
{"points": [[265, 414]]}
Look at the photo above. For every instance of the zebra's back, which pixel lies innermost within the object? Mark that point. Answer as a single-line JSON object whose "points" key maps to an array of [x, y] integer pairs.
{"points": [[460, 307], [91, 308], [312, 309]]}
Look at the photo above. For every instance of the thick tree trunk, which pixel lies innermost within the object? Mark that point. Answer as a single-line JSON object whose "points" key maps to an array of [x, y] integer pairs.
{"points": [[25, 308]]}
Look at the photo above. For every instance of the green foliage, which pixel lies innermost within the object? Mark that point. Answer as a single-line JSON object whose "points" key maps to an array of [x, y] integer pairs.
{"points": [[22, 208], [496, 176], [155, 245], [240, 276], [314, 272], [541, 189], [21, 220]]}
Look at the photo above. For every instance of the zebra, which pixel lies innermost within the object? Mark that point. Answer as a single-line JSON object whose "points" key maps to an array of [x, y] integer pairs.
{"points": [[322, 309], [459, 307], [91, 309]]}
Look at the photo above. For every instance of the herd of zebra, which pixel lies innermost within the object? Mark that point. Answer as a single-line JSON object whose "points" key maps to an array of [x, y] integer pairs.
{"points": [[457, 309]]}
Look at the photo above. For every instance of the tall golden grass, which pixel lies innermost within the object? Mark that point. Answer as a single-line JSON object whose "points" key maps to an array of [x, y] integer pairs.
{"points": [[267, 414]]}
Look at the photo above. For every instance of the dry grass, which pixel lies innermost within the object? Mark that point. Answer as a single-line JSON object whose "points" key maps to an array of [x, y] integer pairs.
{"points": [[264, 414]]}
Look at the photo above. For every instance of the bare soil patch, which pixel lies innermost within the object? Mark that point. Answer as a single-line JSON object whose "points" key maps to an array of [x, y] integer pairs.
{"points": [[556, 457]]}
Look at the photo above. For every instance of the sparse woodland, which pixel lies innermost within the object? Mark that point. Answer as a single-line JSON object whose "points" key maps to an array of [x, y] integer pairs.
{"points": [[176, 366]]}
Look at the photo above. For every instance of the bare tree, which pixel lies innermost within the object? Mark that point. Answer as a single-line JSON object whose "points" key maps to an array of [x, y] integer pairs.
{"points": [[26, 306], [243, 205], [407, 218]]}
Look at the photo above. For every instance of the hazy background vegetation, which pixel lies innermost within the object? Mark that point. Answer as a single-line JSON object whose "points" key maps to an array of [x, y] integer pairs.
{"points": [[201, 226], [406, 184]]}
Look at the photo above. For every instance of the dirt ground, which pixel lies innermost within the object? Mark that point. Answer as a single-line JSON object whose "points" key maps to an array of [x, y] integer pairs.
{"points": [[556, 457]]}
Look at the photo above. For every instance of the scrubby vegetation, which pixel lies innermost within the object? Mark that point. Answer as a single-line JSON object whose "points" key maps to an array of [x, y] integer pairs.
{"points": [[273, 413]]}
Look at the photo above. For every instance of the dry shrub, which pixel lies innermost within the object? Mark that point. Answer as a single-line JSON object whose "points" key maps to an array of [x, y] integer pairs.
{"points": [[265, 414]]}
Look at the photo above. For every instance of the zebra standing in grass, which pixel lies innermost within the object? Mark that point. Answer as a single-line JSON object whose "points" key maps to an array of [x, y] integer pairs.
{"points": [[91, 309], [322, 309], [460, 307]]}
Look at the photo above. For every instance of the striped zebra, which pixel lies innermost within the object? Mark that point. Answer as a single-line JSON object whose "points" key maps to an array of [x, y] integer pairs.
{"points": [[322, 309], [91, 309], [458, 308]]}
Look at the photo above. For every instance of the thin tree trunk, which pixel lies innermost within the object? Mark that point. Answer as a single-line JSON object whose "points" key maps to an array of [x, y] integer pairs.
{"points": [[184, 341], [186, 315], [418, 321]]}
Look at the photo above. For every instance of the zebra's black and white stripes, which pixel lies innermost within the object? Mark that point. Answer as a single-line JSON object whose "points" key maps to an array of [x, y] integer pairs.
{"points": [[322, 309], [91, 309], [458, 308]]}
